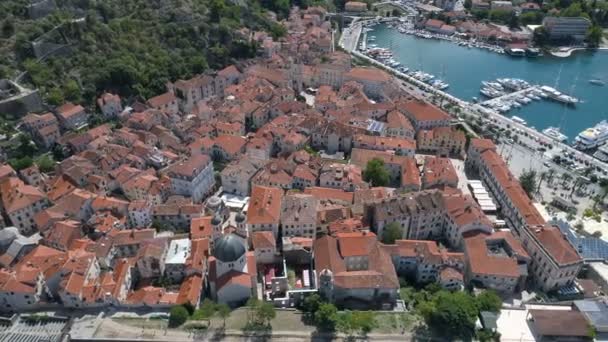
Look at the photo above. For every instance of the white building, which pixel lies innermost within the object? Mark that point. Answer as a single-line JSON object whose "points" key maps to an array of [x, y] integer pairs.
{"points": [[192, 177], [175, 260]]}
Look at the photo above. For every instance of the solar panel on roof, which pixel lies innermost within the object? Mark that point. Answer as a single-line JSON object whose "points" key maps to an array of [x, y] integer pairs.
{"points": [[588, 247]]}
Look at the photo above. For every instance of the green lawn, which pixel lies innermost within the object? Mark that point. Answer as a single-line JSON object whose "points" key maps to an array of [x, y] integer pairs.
{"points": [[395, 323], [284, 321], [142, 322]]}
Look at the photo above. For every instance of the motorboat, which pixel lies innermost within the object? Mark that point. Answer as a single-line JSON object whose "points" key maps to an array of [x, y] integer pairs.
{"points": [[597, 82], [555, 134]]}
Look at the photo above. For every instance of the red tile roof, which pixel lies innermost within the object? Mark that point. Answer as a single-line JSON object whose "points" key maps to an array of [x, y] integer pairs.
{"points": [[264, 205], [263, 239], [423, 111]]}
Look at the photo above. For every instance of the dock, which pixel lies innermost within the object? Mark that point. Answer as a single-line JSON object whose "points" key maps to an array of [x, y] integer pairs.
{"points": [[510, 96]]}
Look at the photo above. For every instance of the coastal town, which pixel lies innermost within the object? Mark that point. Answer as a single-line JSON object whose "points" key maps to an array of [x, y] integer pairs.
{"points": [[311, 189]]}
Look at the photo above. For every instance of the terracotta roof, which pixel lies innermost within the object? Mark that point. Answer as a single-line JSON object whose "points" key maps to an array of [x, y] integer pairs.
{"points": [[380, 272], [69, 109], [367, 74], [16, 195], [559, 323], [231, 144], [423, 111], [552, 239], [324, 194], [463, 211], [483, 144], [356, 243], [190, 290], [200, 227], [161, 100], [263, 239], [6, 171], [228, 71], [396, 119], [439, 171], [450, 273], [190, 167], [483, 262], [150, 295], [264, 205], [63, 233], [386, 143]]}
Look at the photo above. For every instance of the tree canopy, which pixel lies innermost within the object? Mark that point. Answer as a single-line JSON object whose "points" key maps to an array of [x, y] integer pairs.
{"points": [[528, 181], [131, 47], [326, 317], [376, 173], [488, 301], [178, 316], [391, 232]]}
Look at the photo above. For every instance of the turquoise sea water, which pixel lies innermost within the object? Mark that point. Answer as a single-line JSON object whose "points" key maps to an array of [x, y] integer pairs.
{"points": [[465, 68]]}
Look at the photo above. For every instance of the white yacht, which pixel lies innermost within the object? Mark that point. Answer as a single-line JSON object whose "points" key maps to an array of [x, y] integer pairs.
{"points": [[592, 137], [555, 134], [519, 120]]}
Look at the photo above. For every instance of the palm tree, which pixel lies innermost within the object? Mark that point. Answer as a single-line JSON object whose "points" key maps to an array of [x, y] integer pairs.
{"points": [[542, 177], [565, 178], [577, 183], [550, 174], [223, 311]]}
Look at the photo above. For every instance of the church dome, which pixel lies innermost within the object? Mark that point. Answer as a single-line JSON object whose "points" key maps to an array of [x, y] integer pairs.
{"points": [[228, 248], [240, 218]]}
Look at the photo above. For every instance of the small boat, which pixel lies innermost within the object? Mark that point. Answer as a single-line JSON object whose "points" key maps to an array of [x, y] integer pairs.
{"points": [[519, 120], [554, 133], [597, 82]]}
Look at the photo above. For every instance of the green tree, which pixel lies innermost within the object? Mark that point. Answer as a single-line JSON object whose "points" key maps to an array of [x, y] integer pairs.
{"points": [[26, 147], [513, 21], [376, 173], [500, 15], [45, 163], [206, 311], [595, 35], [488, 301], [223, 311], [540, 37], [71, 91], [55, 96], [529, 18], [391, 232], [326, 317], [252, 305], [265, 313], [8, 27], [345, 323], [574, 10], [363, 321], [311, 304], [21, 163], [177, 316], [528, 181], [455, 313]]}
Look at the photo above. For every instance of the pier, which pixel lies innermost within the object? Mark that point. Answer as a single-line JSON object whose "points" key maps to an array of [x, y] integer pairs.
{"points": [[510, 96]]}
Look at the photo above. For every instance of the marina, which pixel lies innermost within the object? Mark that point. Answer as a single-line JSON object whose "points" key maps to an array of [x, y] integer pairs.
{"points": [[509, 93], [566, 93]]}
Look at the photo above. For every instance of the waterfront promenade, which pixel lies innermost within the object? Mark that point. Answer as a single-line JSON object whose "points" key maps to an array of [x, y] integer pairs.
{"points": [[425, 90]]}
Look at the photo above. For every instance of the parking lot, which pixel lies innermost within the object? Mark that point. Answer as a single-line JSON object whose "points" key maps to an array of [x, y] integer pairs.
{"points": [[557, 181]]}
